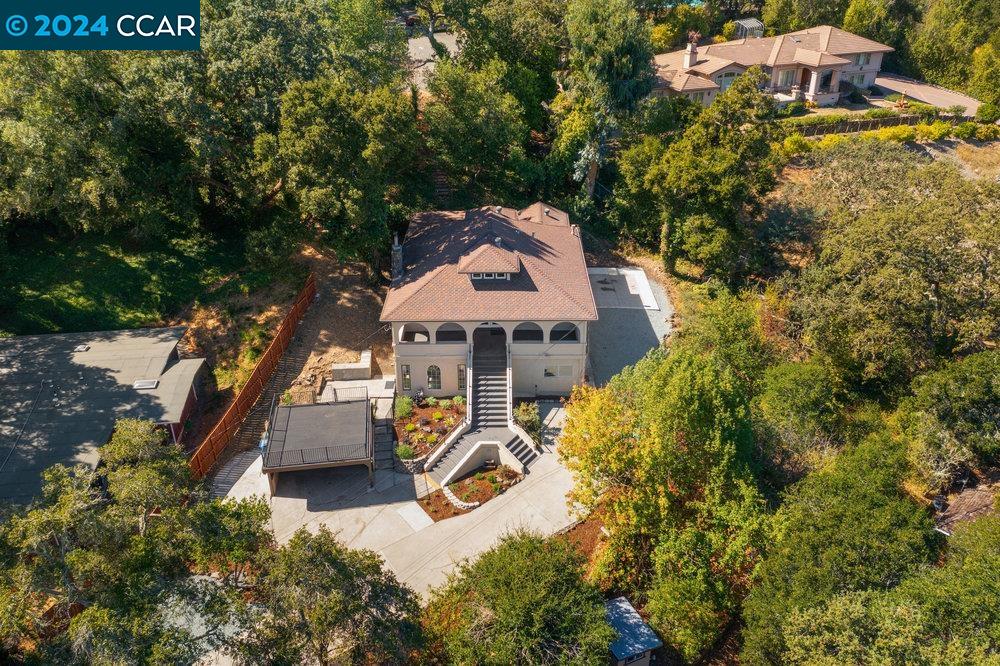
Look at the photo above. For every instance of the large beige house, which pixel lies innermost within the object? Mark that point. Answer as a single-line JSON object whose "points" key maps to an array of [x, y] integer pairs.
{"points": [[479, 283], [808, 65], [492, 304]]}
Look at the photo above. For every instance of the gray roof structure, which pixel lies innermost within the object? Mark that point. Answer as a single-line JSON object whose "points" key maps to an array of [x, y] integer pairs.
{"points": [[318, 435], [634, 635], [61, 393]]}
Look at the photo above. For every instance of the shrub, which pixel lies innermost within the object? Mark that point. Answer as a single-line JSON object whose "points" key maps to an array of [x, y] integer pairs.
{"points": [[881, 113], [405, 452], [855, 97], [792, 109], [404, 407], [410, 427], [458, 400], [923, 110], [796, 144], [445, 404], [988, 132], [965, 131], [432, 401], [432, 438], [955, 110], [526, 415], [437, 416], [988, 113], [933, 131], [899, 134], [829, 141]]}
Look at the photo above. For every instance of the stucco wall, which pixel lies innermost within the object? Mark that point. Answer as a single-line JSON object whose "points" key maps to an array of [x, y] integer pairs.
{"points": [[530, 360]]}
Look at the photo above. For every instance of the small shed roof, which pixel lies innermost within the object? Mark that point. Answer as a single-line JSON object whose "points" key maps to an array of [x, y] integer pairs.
{"points": [[634, 635], [320, 435]]}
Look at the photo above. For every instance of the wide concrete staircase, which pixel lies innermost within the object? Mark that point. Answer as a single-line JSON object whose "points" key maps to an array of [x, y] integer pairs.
{"points": [[489, 416]]}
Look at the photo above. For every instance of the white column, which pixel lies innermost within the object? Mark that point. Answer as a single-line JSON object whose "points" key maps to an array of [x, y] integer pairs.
{"points": [[813, 81], [835, 81]]}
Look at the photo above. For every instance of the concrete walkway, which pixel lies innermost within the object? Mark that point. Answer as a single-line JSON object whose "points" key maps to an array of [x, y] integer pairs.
{"points": [[388, 520]]}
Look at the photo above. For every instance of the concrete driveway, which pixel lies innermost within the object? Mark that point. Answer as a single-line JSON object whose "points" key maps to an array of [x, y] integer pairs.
{"points": [[388, 520], [633, 317], [927, 93]]}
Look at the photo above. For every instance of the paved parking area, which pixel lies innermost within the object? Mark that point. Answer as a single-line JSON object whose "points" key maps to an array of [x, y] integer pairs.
{"points": [[633, 317], [388, 520]]}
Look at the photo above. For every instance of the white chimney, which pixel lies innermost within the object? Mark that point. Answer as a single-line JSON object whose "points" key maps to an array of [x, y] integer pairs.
{"points": [[690, 55]]}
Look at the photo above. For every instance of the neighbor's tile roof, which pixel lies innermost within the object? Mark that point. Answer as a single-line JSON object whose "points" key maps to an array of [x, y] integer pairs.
{"points": [[552, 284], [814, 47]]}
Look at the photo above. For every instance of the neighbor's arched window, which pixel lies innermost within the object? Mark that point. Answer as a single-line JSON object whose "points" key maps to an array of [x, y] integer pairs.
{"points": [[564, 332], [414, 333], [434, 377], [528, 332], [450, 332]]}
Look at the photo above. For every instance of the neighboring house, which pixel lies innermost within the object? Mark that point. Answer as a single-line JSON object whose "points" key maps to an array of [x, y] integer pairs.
{"points": [[491, 303], [808, 65], [61, 394], [636, 640]]}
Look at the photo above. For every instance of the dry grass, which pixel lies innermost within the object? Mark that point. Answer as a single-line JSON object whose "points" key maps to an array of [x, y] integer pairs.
{"points": [[984, 161]]}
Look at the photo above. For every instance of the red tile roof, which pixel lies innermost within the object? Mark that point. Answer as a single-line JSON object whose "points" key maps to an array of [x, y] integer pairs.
{"points": [[552, 284]]}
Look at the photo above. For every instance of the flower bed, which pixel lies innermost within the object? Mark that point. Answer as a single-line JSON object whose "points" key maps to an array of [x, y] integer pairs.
{"points": [[420, 428], [480, 486]]}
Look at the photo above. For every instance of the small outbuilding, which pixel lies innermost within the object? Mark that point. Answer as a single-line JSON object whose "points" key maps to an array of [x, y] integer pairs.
{"points": [[636, 639], [315, 436]]}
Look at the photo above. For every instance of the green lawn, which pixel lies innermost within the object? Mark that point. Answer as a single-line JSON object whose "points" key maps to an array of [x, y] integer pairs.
{"points": [[101, 283]]}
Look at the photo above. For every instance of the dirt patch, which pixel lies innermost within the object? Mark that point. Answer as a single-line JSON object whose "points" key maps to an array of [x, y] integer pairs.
{"points": [[586, 536], [983, 161], [342, 322], [233, 331], [427, 426], [480, 486]]}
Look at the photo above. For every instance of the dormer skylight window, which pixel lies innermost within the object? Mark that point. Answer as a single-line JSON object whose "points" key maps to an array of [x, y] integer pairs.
{"points": [[490, 276]]}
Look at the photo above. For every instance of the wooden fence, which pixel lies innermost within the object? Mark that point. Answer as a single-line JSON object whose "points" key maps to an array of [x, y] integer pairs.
{"points": [[856, 125], [208, 452]]}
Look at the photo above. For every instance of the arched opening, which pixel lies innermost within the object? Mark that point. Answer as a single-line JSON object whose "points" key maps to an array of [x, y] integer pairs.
{"points": [[489, 340], [528, 332], [434, 377], [414, 333], [564, 332], [450, 332]]}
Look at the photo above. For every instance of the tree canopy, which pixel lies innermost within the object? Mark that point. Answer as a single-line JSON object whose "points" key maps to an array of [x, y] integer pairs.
{"points": [[523, 601]]}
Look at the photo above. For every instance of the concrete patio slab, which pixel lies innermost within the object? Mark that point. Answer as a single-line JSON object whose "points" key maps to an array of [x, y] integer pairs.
{"points": [[383, 518], [415, 516], [627, 328]]}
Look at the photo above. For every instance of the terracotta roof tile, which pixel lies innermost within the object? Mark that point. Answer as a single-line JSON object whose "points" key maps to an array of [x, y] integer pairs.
{"points": [[826, 42], [552, 284]]}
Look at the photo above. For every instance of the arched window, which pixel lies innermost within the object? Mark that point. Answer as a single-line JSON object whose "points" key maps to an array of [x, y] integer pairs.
{"points": [[450, 333], [528, 332], [414, 333], [564, 332], [434, 377]]}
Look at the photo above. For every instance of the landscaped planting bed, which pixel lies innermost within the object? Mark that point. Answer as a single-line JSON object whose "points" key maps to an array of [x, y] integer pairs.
{"points": [[421, 427], [480, 486]]}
